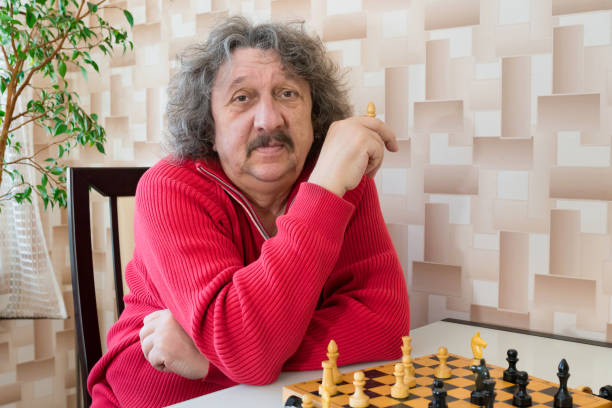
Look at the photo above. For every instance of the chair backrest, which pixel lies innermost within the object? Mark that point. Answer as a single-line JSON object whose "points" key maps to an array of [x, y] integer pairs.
{"points": [[111, 182]]}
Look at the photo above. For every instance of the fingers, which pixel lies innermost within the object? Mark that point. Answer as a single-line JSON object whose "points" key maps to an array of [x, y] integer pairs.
{"points": [[382, 130]]}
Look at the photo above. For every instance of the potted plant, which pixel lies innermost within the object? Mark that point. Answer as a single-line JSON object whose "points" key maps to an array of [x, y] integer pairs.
{"points": [[42, 41]]}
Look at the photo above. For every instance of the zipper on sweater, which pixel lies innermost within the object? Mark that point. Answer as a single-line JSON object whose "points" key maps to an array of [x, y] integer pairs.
{"points": [[240, 199]]}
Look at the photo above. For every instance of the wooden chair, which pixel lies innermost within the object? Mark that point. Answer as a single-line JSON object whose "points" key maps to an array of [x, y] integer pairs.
{"points": [[111, 182]]}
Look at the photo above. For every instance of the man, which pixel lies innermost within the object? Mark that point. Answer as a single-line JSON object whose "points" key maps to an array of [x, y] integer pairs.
{"points": [[260, 238]]}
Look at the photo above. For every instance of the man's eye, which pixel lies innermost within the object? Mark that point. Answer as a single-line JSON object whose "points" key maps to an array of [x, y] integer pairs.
{"points": [[241, 98], [289, 94]]}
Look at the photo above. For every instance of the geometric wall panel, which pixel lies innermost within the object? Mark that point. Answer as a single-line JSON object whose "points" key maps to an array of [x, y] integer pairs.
{"points": [[569, 112], [486, 314], [446, 116], [505, 125], [452, 179], [503, 154], [586, 183], [565, 294], [568, 59], [513, 271], [516, 97], [565, 242], [572, 6], [436, 279], [466, 13]]}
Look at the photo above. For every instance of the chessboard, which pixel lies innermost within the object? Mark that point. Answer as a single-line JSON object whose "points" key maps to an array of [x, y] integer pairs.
{"points": [[379, 380]]}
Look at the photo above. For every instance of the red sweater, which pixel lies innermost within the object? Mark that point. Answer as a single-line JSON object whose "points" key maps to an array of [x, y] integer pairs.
{"points": [[253, 305]]}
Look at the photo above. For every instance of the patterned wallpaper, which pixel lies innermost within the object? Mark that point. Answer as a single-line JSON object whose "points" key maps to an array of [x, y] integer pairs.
{"points": [[499, 201]]}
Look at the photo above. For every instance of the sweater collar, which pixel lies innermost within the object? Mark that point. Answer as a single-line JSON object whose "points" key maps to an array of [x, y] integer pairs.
{"points": [[211, 168]]}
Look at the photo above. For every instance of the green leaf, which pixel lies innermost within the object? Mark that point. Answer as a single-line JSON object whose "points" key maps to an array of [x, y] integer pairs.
{"points": [[84, 72], [60, 128], [128, 17], [44, 180], [30, 17], [92, 7], [61, 68], [100, 147]]}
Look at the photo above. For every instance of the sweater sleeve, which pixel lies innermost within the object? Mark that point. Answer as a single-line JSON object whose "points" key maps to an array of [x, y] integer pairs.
{"points": [[364, 305], [247, 320]]}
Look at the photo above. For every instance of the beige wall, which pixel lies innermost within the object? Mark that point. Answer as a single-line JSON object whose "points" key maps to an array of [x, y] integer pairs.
{"points": [[498, 201]]}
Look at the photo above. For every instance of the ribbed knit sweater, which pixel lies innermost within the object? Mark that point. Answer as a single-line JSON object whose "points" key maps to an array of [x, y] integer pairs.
{"points": [[254, 305]]}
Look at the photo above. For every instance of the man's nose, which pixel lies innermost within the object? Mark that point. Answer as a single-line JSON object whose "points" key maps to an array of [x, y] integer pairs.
{"points": [[268, 115]]}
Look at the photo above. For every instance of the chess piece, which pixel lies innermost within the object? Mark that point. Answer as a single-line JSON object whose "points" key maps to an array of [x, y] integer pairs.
{"points": [[439, 395], [521, 398], [295, 402], [307, 402], [481, 373], [489, 391], [409, 377], [477, 344], [399, 389], [563, 398], [442, 371], [332, 355], [327, 382], [605, 392], [359, 399], [325, 399], [371, 110], [511, 371]]}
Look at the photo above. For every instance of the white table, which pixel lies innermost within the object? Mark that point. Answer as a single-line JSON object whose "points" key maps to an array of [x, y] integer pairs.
{"points": [[590, 365]]}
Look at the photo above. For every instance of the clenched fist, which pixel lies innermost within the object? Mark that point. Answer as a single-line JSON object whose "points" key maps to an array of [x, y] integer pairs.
{"points": [[168, 348], [353, 147]]}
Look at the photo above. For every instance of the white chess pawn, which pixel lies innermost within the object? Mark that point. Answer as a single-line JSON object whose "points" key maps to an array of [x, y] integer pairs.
{"points": [[442, 371], [399, 389], [307, 401], [359, 399]]}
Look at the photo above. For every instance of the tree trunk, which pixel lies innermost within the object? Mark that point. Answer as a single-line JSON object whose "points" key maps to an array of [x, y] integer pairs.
{"points": [[6, 123]]}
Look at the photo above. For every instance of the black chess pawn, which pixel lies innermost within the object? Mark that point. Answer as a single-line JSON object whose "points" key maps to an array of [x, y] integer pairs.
{"points": [[439, 395], [490, 392], [605, 392], [437, 383], [293, 402], [563, 398], [521, 397], [481, 372], [511, 371]]}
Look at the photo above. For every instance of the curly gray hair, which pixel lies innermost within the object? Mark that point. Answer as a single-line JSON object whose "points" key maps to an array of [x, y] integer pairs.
{"points": [[191, 127]]}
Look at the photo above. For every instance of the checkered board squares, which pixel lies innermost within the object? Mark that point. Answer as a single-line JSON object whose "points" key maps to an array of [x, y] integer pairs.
{"points": [[379, 380]]}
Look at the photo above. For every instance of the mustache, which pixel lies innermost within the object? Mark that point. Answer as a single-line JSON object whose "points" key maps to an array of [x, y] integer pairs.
{"points": [[264, 139]]}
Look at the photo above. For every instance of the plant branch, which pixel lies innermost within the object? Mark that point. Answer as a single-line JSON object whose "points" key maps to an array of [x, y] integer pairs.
{"points": [[8, 194], [8, 66], [32, 156], [42, 115]]}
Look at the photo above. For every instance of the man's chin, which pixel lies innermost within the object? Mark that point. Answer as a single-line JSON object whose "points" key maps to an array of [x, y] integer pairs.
{"points": [[274, 173]]}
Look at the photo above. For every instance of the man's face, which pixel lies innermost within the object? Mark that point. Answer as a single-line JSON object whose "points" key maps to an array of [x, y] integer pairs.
{"points": [[263, 128]]}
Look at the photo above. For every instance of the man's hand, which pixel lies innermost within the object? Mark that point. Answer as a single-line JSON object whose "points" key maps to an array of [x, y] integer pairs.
{"points": [[168, 348], [353, 147]]}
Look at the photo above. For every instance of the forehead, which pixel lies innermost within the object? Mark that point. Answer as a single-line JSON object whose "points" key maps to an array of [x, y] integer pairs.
{"points": [[253, 64]]}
